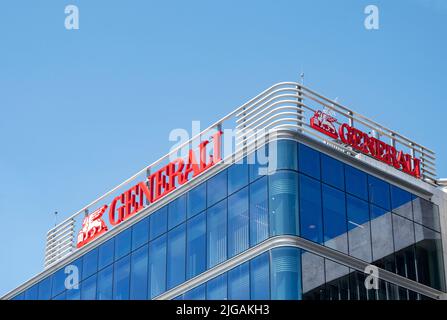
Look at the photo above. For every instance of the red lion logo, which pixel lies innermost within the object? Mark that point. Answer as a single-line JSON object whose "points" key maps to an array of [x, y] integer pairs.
{"points": [[324, 123], [92, 226]]}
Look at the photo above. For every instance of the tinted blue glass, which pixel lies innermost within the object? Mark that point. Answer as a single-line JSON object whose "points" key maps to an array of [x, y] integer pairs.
{"points": [[356, 182], [332, 172], [140, 233], [45, 288], [138, 276], [105, 284], [381, 232], [198, 293], [403, 231], [401, 202], [177, 211], [237, 177], [90, 263], [287, 154], [88, 288], [379, 192], [106, 253], [258, 163], [334, 219], [20, 296], [216, 188], [62, 296], [286, 274], [311, 217], [123, 243], [32, 293], [259, 220], [260, 277], [158, 222], [239, 283], [196, 246], [58, 282], [121, 279], [426, 213], [157, 266], [73, 294], [216, 289], [77, 264], [238, 225], [197, 200], [359, 235], [309, 161], [217, 233], [283, 203], [176, 256]]}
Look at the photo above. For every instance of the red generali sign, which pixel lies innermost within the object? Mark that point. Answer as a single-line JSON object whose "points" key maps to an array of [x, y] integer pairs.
{"points": [[157, 185], [366, 144]]}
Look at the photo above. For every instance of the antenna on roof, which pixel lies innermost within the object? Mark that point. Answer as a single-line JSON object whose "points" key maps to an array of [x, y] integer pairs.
{"points": [[55, 218], [302, 78]]}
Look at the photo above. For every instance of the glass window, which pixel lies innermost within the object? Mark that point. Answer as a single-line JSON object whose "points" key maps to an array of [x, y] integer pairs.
{"points": [[90, 263], [356, 182], [286, 274], [106, 253], [258, 163], [58, 282], [88, 288], [283, 203], [312, 276], [334, 218], [260, 277], [196, 246], [309, 161], [216, 188], [379, 192], [259, 225], [426, 213], [45, 288], [73, 294], [198, 293], [403, 232], [176, 256], [401, 202], [286, 152], [430, 266], [32, 293], [310, 209], [121, 279], [123, 243], [332, 172], [359, 234], [159, 223], [140, 233], [105, 284], [238, 222], [20, 296], [157, 266], [177, 211], [237, 177], [217, 233], [197, 200], [61, 296], [139, 271], [239, 283], [381, 233], [337, 281], [216, 289]]}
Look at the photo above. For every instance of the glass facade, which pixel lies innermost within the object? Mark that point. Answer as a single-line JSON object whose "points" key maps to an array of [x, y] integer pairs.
{"points": [[309, 195]]}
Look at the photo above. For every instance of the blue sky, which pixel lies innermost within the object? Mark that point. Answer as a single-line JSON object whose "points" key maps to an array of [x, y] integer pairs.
{"points": [[83, 110]]}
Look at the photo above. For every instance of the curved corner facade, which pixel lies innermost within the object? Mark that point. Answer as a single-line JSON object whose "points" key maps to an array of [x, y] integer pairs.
{"points": [[306, 230]]}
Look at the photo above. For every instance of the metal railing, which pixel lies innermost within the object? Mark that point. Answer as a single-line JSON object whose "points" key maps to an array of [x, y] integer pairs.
{"points": [[286, 105]]}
